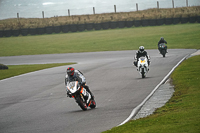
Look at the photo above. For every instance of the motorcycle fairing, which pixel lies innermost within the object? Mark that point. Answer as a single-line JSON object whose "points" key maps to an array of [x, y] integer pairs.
{"points": [[72, 86]]}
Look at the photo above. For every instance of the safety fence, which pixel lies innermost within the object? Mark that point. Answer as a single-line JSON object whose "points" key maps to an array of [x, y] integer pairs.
{"points": [[99, 26]]}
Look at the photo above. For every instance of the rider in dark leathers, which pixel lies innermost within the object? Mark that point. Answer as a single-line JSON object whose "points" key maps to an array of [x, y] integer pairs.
{"points": [[76, 75], [141, 52], [162, 40]]}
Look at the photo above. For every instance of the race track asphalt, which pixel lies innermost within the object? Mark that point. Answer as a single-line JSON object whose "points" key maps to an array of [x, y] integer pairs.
{"points": [[36, 102]]}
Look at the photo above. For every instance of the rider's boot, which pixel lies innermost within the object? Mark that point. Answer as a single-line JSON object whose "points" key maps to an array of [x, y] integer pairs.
{"points": [[88, 90], [135, 63], [87, 97]]}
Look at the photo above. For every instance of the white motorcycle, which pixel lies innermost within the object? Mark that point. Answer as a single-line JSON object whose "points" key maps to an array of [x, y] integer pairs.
{"points": [[143, 66], [78, 93]]}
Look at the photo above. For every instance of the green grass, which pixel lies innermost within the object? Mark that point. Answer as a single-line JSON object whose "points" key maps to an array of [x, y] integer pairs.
{"points": [[177, 36], [181, 114], [15, 70]]}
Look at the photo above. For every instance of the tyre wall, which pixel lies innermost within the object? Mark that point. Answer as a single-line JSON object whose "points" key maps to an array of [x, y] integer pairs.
{"points": [[99, 26], [2, 67]]}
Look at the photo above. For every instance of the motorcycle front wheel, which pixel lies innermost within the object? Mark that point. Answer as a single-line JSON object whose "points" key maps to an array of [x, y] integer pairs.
{"points": [[163, 52], [93, 104], [143, 73], [80, 102]]}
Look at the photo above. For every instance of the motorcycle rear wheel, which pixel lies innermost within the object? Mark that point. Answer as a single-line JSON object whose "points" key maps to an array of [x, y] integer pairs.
{"points": [[82, 104]]}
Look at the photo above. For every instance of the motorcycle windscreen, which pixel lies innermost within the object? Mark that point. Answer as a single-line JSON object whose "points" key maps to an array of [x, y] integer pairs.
{"points": [[142, 59], [72, 86], [162, 45]]}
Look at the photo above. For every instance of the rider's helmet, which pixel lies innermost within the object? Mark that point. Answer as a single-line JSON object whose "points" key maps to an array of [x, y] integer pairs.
{"points": [[141, 49], [162, 38], [70, 71]]}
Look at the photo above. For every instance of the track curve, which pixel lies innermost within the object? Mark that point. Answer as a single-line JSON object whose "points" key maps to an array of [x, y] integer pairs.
{"points": [[36, 102]]}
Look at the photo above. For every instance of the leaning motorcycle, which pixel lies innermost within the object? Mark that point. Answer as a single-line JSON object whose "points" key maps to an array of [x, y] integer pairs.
{"points": [[163, 49], [143, 66], [78, 92]]}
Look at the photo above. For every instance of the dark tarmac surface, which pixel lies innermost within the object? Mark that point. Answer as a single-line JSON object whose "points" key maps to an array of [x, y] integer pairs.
{"points": [[36, 102], [159, 98]]}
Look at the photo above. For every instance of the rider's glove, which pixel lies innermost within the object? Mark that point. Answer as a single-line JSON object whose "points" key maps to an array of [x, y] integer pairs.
{"points": [[68, 94], [82, 84]]}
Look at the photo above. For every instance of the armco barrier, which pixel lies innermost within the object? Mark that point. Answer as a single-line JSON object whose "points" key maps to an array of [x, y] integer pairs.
{"points": [[98, 26]]}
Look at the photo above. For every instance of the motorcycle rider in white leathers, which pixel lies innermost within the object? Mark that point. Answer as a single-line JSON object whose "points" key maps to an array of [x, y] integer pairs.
{"points": [[76, 75]]}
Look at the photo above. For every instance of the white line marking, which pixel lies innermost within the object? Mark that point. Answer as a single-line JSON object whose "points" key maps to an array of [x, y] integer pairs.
{"points": [[136, 109]]}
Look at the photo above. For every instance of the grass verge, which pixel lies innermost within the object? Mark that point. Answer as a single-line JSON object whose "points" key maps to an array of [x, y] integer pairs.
{"points": [[177, 36], [181, 112], [15, 70]]}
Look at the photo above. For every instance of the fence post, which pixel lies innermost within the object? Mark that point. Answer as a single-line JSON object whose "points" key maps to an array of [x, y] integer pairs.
{"points": [[17, 16], [68, 12], [43, 14], [158, 4], [173, 3], [136, 6], [93, 10], [187, 3], [115, 8]]}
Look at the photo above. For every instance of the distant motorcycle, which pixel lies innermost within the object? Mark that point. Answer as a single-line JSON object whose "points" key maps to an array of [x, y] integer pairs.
{"points": [[78, 93], [143, 66], [163, 49]]}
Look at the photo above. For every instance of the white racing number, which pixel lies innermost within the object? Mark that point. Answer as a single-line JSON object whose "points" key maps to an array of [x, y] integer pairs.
{"points": [[70, 86]]}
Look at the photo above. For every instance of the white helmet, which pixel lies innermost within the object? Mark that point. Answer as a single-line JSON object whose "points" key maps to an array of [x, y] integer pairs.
{"points": [[141, 49]]}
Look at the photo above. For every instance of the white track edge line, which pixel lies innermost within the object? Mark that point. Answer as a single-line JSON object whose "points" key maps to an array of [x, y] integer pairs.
{"points": [[136, 109]]}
